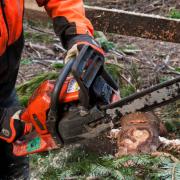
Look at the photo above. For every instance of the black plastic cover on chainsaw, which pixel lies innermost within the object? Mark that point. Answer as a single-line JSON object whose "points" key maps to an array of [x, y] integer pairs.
{"points": [[95, 83], [77, 126]]}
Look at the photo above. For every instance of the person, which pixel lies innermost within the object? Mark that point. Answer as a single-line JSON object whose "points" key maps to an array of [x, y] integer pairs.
{"points": [[74, 30]]}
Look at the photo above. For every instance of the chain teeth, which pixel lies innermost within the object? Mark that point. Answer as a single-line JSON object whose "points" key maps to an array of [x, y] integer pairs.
{"points": [[148, 101]]}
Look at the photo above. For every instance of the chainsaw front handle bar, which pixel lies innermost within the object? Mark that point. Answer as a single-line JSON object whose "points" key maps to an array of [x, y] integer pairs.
{"points": [[55, 105], [59, 84]]}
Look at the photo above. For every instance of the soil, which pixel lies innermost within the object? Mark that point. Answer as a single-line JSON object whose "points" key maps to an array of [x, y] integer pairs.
{"points": [[160, 7], [150, 56]]}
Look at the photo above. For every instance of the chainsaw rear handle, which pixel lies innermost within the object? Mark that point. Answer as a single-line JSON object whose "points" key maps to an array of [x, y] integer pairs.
{"points": [[52, 140]]}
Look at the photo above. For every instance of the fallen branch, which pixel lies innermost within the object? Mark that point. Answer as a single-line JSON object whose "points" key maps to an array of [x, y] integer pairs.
{"points": [[167, 142], [159, 154]]}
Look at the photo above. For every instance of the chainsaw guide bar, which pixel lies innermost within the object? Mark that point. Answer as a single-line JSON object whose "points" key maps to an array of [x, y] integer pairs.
{"points": [[145, 100]]}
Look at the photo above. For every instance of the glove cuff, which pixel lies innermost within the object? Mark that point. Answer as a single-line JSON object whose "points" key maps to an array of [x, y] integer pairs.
{"points": [[11, 127], [81, 38], [84, 40]]}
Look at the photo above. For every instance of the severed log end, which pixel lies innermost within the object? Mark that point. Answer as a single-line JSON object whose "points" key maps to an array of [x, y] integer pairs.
{"points": [[139, 134]]}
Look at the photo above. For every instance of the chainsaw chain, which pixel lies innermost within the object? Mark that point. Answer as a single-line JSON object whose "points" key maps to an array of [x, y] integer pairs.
{"points": [[146, 100]]}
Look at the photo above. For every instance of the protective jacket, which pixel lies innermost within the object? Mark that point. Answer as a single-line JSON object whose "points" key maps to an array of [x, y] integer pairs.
{"points": [[68, 18]]}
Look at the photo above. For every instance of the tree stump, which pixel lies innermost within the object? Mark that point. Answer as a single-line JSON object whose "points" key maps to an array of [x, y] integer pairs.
{"points": [[139, 134]]}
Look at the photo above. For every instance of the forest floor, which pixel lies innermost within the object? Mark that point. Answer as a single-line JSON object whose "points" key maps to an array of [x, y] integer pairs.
{"points": [[160, 7], [138, 63]]}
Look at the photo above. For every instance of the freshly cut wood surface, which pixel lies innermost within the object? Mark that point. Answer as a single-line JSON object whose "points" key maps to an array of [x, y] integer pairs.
{"points": [[139, 134]]}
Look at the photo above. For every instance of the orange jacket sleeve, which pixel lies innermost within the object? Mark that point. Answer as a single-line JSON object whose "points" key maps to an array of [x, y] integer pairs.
{"points": [[68, 17]]}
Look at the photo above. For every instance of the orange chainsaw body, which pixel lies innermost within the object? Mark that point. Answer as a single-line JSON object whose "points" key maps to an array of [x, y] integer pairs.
{"points": [[90, 86], [36, 113]]}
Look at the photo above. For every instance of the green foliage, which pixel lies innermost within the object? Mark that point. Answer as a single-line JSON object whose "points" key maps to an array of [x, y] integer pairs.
{"points": [[105, 44], [25, 90], [170, 126], [114, 71], [127, 90], [135, 75], [172, 118], [103, 41], [130, 49], [26, 61], [175, 14], [177, 69], [82, 164], [39, 24], [163, 79], [57, 65], [168, 171]]}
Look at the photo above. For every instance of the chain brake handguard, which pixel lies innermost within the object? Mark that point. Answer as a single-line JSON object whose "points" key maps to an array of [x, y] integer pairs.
{"points": [[94, 81]]}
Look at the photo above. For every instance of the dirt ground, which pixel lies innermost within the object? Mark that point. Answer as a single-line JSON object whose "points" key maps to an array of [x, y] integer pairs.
{"points": [[160, 7], [154, 58]]}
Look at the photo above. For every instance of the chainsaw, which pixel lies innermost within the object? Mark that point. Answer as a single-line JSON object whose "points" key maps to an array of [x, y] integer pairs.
{"points": [[82, 103]]}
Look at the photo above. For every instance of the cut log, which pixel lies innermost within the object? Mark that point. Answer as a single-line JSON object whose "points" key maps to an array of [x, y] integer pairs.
{"points": [[139, 134], [134, 24]]}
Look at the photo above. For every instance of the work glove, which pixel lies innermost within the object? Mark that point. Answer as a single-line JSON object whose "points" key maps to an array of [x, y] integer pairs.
{"points": [[11, 125], [76, 43]]}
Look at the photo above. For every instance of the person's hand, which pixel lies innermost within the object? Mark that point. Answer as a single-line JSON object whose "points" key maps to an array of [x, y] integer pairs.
{"points": [[76, 44], [11, 125]]}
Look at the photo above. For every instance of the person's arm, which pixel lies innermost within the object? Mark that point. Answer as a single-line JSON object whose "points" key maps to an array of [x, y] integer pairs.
{"points": [[69, 20]]}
